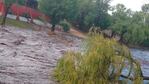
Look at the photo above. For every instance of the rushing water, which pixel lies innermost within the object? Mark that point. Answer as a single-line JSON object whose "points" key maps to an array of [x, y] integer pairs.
{"points": [[143, 57]]}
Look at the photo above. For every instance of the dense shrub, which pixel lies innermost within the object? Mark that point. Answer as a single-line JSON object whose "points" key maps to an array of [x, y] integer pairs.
{"points": [[26, 15], [102, 62], [66, 25]]}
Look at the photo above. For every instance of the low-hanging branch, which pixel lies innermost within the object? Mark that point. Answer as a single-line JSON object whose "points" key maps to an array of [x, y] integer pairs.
{"points": [[131, 78]]}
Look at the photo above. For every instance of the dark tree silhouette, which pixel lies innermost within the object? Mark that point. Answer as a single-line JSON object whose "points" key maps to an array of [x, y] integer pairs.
{"points": [[32, 3]]}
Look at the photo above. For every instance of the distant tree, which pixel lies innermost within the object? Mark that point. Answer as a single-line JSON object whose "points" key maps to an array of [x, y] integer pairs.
{"points": [[8, 4], [132, 27], [102, 18], [93, 12], [32, 3], [145, 8], [145, 20], [121, 20], [21, 2], [56, 9]]}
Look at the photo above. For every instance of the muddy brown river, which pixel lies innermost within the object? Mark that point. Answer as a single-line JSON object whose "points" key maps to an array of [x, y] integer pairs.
{"points": [[29, 57], [143, 57]]}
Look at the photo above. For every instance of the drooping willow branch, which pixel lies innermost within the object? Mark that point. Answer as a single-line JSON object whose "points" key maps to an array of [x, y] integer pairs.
{"points": [[127, 59], [134, 65], [130, 78], [141, 73]]}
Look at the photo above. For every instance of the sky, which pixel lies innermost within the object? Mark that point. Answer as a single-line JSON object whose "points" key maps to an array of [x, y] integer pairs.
{"points": [[134, 5]]}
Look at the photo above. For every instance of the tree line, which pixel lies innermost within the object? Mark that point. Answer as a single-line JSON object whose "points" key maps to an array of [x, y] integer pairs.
{"points": [[131, 26]]}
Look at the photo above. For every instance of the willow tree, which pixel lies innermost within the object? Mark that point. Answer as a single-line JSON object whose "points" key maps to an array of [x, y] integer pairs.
{"points": [[102, 61]]}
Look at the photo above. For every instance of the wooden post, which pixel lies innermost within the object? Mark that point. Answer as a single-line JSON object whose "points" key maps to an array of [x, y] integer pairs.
{"points": [[17, 13], [17, 18], [31, 17]]}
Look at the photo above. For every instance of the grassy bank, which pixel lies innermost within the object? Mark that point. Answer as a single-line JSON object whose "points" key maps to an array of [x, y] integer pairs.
{"points": [[16, 23]]}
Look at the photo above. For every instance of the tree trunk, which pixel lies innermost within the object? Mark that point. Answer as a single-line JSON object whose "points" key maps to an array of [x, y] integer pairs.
{"points": [[5, 15], [112, 35], [17, 18], [53, 28], [121, 38]]}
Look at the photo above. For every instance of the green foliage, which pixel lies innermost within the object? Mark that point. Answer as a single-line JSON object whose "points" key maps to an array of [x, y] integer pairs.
{"points": [[83, 13], [145, 8], [93, 12], [146, 42], [31, 3], [102, 62], [66, 25], [9, 2], [53, 8], [21, 2], [131, 26]]}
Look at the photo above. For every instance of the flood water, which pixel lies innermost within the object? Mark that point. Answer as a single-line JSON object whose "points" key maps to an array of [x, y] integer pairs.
{"points": [[143, 57]]}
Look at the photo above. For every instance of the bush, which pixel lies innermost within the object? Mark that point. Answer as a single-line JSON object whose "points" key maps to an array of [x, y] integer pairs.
{"points": [[102, 62], [66, 25], [26, 15]]}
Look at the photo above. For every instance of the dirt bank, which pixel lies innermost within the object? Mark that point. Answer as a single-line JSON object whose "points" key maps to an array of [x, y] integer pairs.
{"points": [[29, 57]]}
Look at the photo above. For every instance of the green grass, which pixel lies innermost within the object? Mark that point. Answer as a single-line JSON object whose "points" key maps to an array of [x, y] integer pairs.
{"points": [[15, 23]]}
